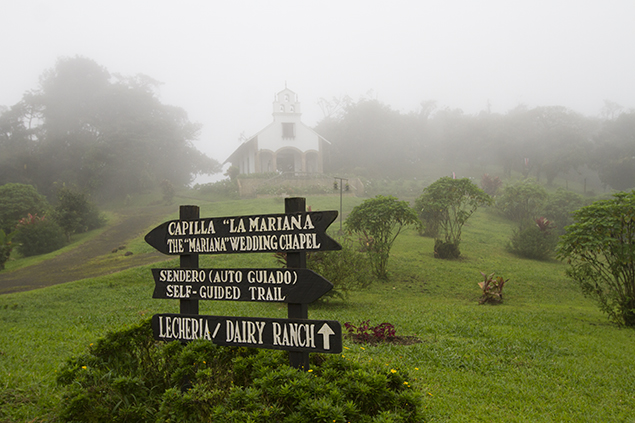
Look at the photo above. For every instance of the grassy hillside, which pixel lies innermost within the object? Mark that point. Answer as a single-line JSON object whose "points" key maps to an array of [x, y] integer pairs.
{"points": [[546, 354]]}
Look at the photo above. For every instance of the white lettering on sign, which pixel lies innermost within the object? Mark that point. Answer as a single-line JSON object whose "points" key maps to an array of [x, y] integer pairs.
{"points": [[224, 276], [244, 331], [254, 242], [178, 291], [175, 246], [269, 224], [287, 277], [182, 275], [294, 334], [185, 328], [219, 292], [259, 293], [206, 245], [194, 227]]}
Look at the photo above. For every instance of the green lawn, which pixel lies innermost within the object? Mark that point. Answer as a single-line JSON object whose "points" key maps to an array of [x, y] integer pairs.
{"points": [[546, 354]]}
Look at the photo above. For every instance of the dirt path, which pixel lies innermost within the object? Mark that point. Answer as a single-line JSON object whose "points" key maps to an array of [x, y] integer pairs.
{"points": [[76, 264]]}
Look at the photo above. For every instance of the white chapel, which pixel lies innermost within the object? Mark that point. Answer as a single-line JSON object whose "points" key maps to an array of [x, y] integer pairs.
{"points": [[286, 145]]}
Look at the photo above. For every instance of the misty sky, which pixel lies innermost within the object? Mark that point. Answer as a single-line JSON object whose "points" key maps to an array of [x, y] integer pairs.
{"points": [[224, 61]]}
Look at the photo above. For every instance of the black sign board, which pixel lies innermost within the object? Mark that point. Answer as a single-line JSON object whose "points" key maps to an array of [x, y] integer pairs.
{"points": [[299, 335], [291, 232], [301, 286]]}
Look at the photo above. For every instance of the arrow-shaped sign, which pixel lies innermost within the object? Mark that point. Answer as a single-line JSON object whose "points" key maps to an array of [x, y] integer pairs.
{"points": [[292, 232], [300, 286], [257, 332]]}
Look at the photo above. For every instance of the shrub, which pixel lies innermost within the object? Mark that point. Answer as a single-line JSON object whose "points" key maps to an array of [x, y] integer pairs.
{"points": [[429, 223], [38, 235], [560, 206], [6, 246], [367, 333], [167, 189], [490, 185], [492, 289], [600, 250], [447, 204], [346, 269], [127, 376], [446, 250], [380, 220], [536, 241], [18, 200], [522, 202], [75, 213], [225, 188]]}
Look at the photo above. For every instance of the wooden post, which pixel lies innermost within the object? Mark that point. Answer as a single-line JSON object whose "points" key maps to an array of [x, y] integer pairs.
{"points": [[299, 360], [189, 261]]}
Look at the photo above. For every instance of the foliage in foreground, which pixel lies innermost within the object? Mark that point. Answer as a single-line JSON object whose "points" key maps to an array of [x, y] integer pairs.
{"points": [[379, 221], [127, 376], [600, 249]]}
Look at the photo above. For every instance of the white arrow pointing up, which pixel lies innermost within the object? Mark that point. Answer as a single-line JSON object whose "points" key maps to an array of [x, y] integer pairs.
{"points": [[326, 332]]}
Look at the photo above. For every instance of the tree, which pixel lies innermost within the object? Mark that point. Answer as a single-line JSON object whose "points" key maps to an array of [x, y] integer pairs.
{"points": [[6, 246], [17, 201], [371, 138], [559, 208], [379, 221], [600, 250], [615, 153], [108, 135], [38, 235], [522, 202], [450, 203], [75, 213]]}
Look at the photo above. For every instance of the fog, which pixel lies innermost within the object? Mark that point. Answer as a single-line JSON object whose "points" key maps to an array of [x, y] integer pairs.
{"points": [[223, 61]]}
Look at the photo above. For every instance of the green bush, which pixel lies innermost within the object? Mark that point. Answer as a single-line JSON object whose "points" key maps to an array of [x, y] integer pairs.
{"points": [[6, 246], [447, 204], [35, 236], [522, 201], [446, 250], [599, 248], [225, 188], [347, 269], [378, 222], [127, 376], [18, 200], [560, 206], [75, 213], [530, 241]]}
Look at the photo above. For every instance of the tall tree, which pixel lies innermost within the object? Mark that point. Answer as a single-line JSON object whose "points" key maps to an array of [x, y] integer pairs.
{"points": [[615, 152], [109, 135]]}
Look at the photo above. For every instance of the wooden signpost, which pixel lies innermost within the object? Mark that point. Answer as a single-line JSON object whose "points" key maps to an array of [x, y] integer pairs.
{"points": [[301, 335], [294, 233], [261, 285], [303, 231]]}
